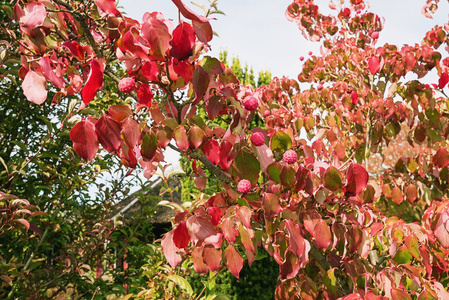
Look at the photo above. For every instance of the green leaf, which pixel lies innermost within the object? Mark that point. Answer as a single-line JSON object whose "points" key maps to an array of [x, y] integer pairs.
{"points": [[332, 179], [403, 256], [183, 283], [245, 166], [280, 141], [287, 176], [274, 171]]}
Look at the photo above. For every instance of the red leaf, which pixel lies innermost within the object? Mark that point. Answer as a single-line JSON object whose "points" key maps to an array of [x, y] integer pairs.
{"points": [[188, 13], [35, 14], [200, 182], [34, 87], [119, 112], [271, 205], [215, 213], [212, 258], [184, 69], [357, 179], [107, 7], [214, 107], [145, 94], [200, 83], [46, 68], [203, 31], [290, 267], [156, 33], [441, 158], [181, 236], [322, 234], [84, 138], [298, 244], [444, 79], [150, 71], [396, 195], [212, 151], [397, 294], [233, 260], [170, 250], [108, 133], [93, 83], [183, 41], [130, 132], [181, 138], [411, 193], [374, 65]]}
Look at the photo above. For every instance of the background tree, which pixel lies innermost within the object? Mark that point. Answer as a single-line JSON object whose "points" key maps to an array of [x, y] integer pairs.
{"points": [[309, 204]]}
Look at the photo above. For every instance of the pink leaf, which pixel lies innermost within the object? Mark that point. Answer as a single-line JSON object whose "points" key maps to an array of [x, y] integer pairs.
{"points": [[196, 136], [130, 132], [228, 230], [46, 68], [170, 250], [93, 83], [357, 179], [181, 138], [444, 79], [322, 234], [441, 229], [107, 7], [233, 260], [156, 33], [243, 213], [198, 263], [181, 236], [108, 133], [84, 138], [271, 205], [200, 228], [265, 156], [24, 223], [188, 13], [34, 87], [183, 41], [374, 65], [212, 258], [35, 14], [212, 151]]}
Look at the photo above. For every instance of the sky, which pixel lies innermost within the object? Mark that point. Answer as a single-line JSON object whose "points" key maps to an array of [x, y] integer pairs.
{"points": [[259, 34]]}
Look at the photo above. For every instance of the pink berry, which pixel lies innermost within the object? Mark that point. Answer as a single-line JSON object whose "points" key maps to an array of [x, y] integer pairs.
{"points": [[290, 157], [301, 58], [267, 113], [375, 35], [258, 139], [126, 85], [244, 186], [319, 87], [250, 103], [310, 52]]}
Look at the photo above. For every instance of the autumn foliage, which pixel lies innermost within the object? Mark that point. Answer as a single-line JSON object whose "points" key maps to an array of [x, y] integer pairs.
{"points": [[302, 186]]}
